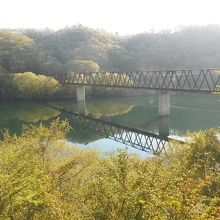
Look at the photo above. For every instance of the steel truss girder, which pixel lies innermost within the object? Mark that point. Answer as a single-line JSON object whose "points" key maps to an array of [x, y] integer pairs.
{"points": [[201, 80]]}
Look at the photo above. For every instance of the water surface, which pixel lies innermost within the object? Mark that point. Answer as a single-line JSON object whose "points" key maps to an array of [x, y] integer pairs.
{"points": [[191, 112]]}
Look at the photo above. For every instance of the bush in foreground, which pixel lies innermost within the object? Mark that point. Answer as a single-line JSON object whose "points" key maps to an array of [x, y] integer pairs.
{"points": [[42, 177]]}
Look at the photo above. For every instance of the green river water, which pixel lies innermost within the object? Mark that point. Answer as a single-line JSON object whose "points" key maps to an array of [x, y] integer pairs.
{"points": [[191, 112]]}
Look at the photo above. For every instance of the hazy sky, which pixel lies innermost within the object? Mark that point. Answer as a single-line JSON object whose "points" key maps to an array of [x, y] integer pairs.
{"points": [[122, 16]]}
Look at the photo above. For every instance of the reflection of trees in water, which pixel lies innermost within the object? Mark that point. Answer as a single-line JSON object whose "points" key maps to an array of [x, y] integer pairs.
{"points": [[199, 101], [79, 134], [84, 126], [98, 109], [141, 117], [107, 108], [193, 120], [35, 112], [115, 107], [188, 112], [194, 112], [13, 115], [84, 129]]}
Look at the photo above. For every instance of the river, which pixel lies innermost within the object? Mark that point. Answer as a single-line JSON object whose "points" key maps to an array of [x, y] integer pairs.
{"points": [[189, 112]]}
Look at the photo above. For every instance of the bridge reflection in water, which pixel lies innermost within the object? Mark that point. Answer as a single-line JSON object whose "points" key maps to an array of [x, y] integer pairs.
{"points": [[139, 139]]}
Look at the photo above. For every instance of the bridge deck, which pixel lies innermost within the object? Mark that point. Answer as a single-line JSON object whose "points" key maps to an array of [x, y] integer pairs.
{"points": [[200, 80]]}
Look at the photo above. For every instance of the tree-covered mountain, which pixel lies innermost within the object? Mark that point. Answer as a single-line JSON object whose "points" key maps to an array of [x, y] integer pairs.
{"points": [[82, 48]]}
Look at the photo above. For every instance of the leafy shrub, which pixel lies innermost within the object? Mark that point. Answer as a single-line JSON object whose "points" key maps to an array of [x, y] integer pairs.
{"points": [[30, 85], [82, 66], [42, 177], [27, 86]]}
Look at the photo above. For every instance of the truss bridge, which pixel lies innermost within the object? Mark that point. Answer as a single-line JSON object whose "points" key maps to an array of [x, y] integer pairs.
{"points": [[198, 80]]}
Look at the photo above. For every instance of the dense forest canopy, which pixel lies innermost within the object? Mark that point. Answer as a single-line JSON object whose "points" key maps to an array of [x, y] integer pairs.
{"points": [[47, 51]]}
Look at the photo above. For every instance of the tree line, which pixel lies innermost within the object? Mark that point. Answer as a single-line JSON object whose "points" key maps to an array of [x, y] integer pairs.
{"points": [[25, 54], [80, 49]]}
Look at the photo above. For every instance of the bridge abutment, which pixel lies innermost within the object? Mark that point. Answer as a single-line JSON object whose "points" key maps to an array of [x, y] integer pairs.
{"points": [[80, 93], [164, 103]]}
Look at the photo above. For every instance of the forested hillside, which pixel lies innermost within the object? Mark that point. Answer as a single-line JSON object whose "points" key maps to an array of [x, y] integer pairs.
{"points": [[80, 49]]}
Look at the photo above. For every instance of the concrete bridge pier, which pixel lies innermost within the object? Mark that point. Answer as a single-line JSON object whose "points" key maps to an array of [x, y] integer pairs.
{"points": [[164, 125], [164, 103], [81, 97]]}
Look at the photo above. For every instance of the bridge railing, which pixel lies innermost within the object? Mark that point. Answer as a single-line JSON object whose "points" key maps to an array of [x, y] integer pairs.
{"points": [[200, 80]]}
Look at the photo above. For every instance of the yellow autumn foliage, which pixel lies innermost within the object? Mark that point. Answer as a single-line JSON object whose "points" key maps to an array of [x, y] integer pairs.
{"points": [[30, 85], [43, 177]]}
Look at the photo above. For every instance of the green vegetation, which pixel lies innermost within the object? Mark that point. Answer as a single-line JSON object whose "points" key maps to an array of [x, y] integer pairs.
{"points": [[16, 50], [42, 177], [82, 66], [80, 49], [28, 86], [31, 86]]}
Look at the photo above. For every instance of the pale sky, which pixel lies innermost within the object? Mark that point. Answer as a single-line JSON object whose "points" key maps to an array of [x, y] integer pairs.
{"points": [[122, 16]]}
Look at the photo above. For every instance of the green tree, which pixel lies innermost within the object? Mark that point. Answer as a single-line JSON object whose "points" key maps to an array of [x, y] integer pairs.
{"points": [[30, 85], [14, 51], [82, 66], [34, 171]]}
